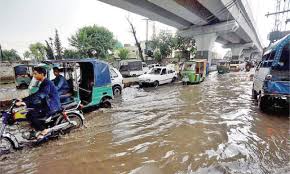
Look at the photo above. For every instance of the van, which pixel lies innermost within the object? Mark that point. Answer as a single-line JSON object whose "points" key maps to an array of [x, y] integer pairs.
{"points": [[272, 78]]}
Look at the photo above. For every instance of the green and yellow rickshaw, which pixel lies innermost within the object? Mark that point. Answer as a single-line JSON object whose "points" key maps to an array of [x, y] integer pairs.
{"points": [[194, 71], [89, 80], [223, 66], [23, 75]]}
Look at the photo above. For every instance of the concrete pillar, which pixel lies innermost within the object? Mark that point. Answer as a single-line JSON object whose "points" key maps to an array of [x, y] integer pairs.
{"points": [[204, 46], [236, 52]]}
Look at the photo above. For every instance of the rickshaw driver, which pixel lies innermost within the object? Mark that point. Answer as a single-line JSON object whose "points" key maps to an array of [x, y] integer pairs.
{"points": [[61, 85]]}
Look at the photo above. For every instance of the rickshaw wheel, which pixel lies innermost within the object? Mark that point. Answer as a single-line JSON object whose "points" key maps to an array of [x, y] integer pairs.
{"points": [[106, 104], [6, 145], [22, 86]]}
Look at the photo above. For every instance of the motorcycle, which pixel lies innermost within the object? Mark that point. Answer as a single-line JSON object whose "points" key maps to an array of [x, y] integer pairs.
{"points": [[69, 118]]}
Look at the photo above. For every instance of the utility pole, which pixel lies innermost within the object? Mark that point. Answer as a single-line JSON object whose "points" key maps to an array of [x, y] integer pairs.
{"points": [[146, 41], [279, 14], [1, 54], [154, 30]]}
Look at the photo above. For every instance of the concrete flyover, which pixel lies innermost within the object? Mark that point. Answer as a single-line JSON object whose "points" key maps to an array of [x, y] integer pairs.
{"points": [[229, 22]]}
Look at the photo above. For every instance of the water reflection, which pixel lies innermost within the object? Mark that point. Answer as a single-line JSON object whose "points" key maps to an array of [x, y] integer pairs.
{"points": [[213, 127]]}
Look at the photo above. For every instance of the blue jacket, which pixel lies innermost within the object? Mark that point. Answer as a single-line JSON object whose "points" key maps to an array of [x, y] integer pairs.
{"points": [[61, 85], [45, 99]]}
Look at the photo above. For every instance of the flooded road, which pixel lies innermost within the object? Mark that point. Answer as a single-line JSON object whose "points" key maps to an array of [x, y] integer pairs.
{"points": [[214, 127]]}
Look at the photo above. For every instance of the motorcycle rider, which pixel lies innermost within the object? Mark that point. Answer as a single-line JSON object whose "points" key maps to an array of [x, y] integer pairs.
{"points": [[44, 102]]}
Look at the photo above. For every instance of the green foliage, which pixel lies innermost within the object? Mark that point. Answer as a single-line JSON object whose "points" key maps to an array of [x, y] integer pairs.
{"points": [[37, 50], [157, 55], [58, 47], [93, 38], [26, 55], [49, 51], [72, 54], [123, 53], [185, 46], [164, 42], [10, 55]]}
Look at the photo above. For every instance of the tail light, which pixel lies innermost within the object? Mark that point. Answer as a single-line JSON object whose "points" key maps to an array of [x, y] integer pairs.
{"points": [[268, 77], [65, 115], [81, 107]]}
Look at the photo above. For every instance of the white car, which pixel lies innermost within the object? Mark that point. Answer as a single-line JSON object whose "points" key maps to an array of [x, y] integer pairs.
{"points": [[157, 76], [117, 81], [237, 65]]}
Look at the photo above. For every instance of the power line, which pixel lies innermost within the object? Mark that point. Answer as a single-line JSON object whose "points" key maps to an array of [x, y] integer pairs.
{"points": [[275, 13]]}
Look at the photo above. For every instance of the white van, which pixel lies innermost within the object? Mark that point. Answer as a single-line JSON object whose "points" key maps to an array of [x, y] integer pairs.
{"points": [[132, 68]]}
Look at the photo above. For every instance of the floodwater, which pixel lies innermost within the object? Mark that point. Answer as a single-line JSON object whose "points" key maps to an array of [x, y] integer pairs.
{"points": [[213, 127]]}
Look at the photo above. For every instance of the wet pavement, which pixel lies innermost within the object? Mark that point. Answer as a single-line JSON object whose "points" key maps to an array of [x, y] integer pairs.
{"points": [[213, 127]]}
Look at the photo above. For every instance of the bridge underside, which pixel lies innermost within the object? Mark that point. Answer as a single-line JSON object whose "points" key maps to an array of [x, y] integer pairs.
{"points": [[208, 21]]}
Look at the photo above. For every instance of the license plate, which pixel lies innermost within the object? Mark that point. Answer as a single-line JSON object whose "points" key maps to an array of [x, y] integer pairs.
{"points": [[185, 79]]}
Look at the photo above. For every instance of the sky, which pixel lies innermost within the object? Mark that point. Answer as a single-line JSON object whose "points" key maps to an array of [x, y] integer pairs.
{"points": [[23, 22]]}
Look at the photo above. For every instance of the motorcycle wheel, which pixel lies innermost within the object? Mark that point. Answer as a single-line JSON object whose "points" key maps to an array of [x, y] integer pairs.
{"points": [[73, 117], [6, 145]]}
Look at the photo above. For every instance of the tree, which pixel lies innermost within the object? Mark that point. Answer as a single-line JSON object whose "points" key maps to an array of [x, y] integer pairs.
{"points": [[185, 46], [49, 51], [164, 43], [123, 53], [157, 55], [91, 39], [37, 50], [10, 55], [58, 47], [136, 40], [72, 54], [26, 55]]}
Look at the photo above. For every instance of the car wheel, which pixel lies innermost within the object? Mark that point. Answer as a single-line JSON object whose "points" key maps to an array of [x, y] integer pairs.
{"points": [[173, 79], [155, 84], [263, 103], [117, 90], [254, 94]]}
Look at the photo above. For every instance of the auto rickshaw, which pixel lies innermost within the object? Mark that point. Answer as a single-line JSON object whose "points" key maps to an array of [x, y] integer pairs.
{"points": [[223, 67], [194, 71], [89, 79], [23, 75]]}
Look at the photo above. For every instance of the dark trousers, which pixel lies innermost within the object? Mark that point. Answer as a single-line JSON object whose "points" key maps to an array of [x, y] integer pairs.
{"points": [[33, 116]]}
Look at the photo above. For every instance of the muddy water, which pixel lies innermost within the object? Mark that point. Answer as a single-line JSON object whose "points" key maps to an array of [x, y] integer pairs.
{"points": [[213, 127]]}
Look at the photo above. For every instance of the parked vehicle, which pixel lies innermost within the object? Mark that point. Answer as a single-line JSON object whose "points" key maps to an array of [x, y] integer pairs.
{"points": [[194, 71], [23, 75], [237, 65], [272, 78], [153, 66], [223, 66], [59, 123], [117, 81], [133, 68], [157, 76], [89, 79]]}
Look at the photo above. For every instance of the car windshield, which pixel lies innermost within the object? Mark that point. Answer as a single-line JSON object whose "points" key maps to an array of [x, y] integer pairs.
{"points": [[155, 71]]}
